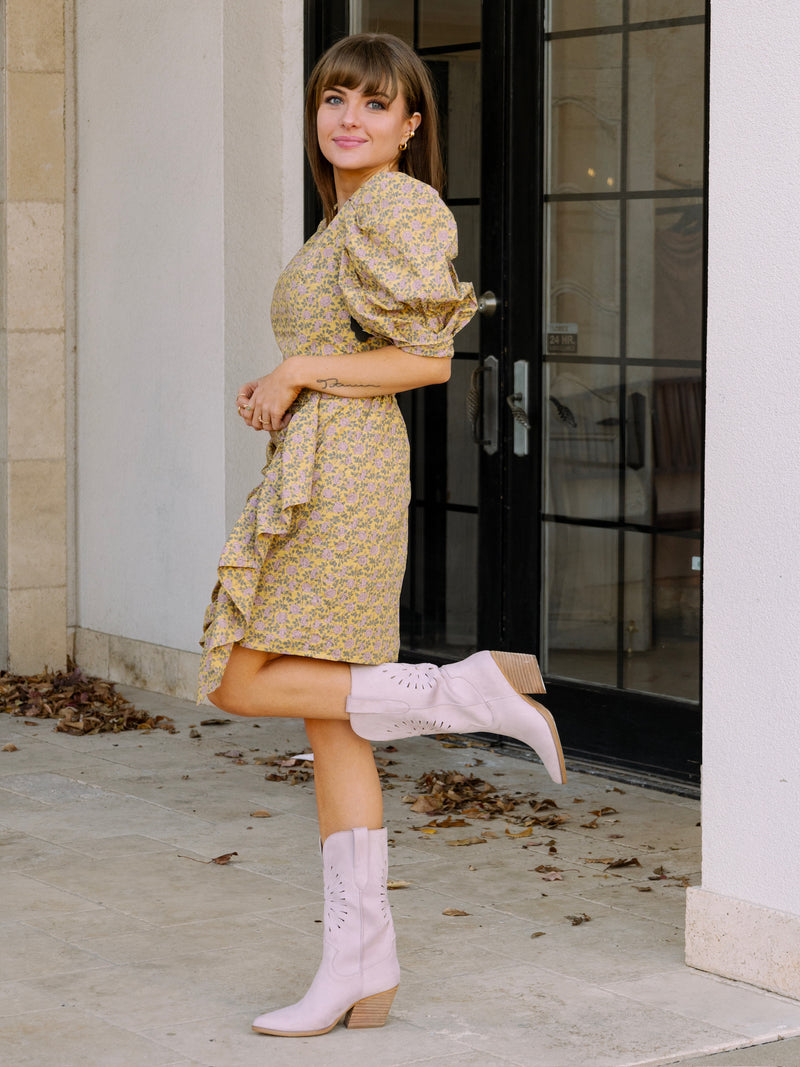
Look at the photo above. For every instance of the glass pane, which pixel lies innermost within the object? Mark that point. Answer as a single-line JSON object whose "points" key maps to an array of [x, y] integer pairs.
{"points": [[383, 16], [582, 279], [666, 108], [458, 80], [662, 615], [582, 441], [585, 109], [580, 621], [677, 450], [462, 452], [467, 265], [449, 22], [647, 10], [462, 582], [581, 14], [665, 279]]}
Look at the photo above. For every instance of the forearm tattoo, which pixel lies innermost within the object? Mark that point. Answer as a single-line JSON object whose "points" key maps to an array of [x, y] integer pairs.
{"points": [[334, 383]]}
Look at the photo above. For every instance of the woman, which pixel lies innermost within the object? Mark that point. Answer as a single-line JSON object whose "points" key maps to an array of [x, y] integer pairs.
{"points": [[304, 619]]}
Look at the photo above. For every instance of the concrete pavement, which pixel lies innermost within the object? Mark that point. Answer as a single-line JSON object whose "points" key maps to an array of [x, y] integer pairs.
{"points": [[119, 949]]}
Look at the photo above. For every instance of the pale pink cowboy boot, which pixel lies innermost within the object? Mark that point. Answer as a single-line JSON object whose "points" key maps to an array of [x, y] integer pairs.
{"points": [[359, 973], [482, 693]]}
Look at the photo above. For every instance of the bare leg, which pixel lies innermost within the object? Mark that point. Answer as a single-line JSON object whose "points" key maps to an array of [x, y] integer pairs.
{"points": [[292, 687], [345, 778]]}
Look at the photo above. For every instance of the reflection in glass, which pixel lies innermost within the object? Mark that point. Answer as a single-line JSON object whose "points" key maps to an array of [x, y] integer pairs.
{"points": [[582, 269], [665, 279], [580, 607], [462, 582], [462, 453], [585, 114], [666, 109], [459, 85], [468, 267], [383, 16], [582, 441], [582, 14], [662, 615], [445, 22], [648, 10], [663, 446]]}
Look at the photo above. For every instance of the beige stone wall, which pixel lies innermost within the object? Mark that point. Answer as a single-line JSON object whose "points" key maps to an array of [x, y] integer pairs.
{"points": [[33, 453]]}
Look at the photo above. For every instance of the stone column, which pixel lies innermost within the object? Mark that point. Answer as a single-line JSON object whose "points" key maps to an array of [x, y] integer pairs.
{"points": [[33, 454]]}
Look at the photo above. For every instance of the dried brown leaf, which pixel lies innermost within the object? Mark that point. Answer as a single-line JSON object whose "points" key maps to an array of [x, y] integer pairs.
{"points": [[604, 811], [10, 747], [260, 814], [397, 884], [426, 803], [554, 876], [226, 857], [544, 868], [527, 832], [454, 911], [630, 861], [539, 933], [468, 841], [576, 920]]}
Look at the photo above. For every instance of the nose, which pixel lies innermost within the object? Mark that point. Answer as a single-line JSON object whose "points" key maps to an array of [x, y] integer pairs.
{"points": [[349, 116]]}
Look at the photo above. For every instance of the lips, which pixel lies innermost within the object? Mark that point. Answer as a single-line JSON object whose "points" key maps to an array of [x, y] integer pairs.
{"points": [[349, 142]]}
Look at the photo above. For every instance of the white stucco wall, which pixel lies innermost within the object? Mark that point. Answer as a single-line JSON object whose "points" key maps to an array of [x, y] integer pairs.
{"points": [[751, 779], [189, 199], [745, 919]]}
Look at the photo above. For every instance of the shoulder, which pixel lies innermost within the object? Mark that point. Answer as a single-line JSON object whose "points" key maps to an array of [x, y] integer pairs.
{"points": [[393, 198]]}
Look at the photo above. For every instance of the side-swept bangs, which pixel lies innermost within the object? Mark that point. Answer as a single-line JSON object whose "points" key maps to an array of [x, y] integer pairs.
{"points": [[379, 64]]}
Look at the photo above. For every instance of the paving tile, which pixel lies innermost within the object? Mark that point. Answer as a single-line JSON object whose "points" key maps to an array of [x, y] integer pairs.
{"points": [[95, 920], [17, 997], [24, 897], [730, 1005], [537, 1017], [21, 851], [169, 886], [272, 966], [29, 953], [220, 1042], [782, 1053], [177, 939], [71, 1038]]}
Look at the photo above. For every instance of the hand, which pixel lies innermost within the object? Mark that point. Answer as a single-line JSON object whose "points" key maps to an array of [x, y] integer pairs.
{"points": [[263, 404]]}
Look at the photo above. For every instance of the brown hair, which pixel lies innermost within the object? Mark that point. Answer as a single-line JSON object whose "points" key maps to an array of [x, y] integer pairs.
{"points": [[376, 63]]}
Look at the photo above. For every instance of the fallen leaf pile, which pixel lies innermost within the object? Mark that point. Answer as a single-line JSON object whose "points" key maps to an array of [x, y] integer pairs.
{"points": [[472, 797], [81, 703]]}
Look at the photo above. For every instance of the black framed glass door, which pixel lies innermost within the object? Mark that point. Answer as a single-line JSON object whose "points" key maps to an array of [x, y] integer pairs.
{"points": [[556, 478]]}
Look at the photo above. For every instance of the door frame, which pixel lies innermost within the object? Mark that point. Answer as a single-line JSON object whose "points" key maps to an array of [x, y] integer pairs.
{"points": [[637, 733]]}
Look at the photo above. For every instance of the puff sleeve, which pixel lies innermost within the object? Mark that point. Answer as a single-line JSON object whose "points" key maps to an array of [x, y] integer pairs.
{"points": [[396, 270]]}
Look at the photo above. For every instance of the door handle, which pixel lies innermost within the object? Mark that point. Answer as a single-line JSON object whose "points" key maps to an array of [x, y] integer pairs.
{"points": [[518, 403], [482, 401]]}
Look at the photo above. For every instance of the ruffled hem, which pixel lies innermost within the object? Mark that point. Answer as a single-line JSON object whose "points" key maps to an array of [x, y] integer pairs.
{"points": [[288, 482]]}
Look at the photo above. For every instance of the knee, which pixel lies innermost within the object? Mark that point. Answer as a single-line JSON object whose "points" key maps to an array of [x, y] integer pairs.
{"points": [[233, 700], [324, 735]]}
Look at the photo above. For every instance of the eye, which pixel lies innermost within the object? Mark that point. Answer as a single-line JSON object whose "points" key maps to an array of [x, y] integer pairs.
{"points": [[331, 98], [377, 105]]}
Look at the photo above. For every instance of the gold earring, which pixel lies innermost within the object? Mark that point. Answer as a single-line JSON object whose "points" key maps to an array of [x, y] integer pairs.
{"points": [[404, 145]]}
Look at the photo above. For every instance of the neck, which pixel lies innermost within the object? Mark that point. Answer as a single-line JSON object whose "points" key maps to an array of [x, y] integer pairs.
{"points": [[347, 182]]}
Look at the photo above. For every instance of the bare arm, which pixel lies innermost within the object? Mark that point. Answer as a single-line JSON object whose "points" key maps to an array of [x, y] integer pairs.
{"points": [[383, 371]]}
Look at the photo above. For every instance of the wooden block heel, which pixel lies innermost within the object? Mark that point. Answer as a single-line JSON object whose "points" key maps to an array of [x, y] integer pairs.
{"points": [[371, 1011], [521, 669]]}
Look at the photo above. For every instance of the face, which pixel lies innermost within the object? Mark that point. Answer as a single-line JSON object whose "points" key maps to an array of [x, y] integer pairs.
{"points": [[359, 133]]}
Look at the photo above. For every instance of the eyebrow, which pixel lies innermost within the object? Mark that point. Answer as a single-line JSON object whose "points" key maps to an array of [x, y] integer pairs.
{"points": [[344, 89]]}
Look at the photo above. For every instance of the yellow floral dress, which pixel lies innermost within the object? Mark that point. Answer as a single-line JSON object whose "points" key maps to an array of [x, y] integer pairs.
{"points": [[313, 566]]}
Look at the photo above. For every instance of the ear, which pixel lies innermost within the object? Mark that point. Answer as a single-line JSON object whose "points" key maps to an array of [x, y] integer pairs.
{"points": [[414, 121]]}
